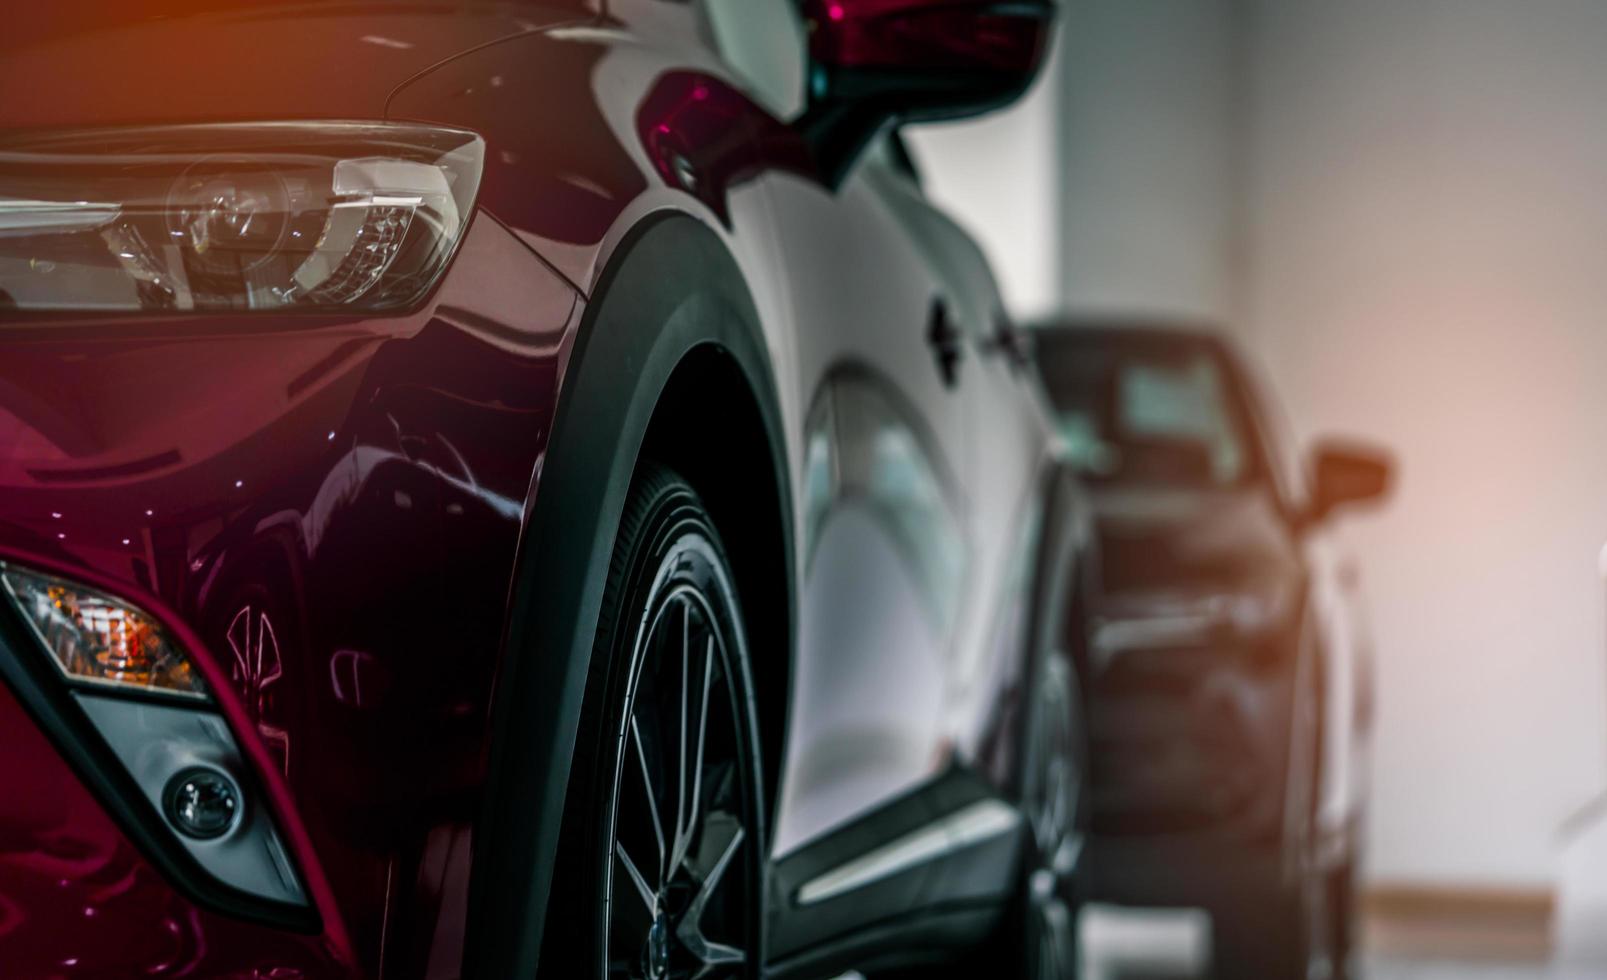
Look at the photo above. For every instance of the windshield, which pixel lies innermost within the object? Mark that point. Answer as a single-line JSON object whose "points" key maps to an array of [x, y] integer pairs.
{"points": [[1150, 409]]}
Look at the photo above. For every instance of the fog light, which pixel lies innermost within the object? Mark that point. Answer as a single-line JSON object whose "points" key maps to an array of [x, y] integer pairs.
{"points": [[202, 803]]}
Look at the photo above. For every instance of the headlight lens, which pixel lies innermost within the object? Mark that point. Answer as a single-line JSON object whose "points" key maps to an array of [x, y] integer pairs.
{"points": [[98, 640], [280, 216]]}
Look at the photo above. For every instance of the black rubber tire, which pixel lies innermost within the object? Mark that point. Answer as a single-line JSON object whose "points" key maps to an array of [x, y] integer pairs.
{"points": [[666, 539]]}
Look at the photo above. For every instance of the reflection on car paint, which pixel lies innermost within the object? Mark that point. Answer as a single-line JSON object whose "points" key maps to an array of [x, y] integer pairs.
{"points": [[256, 668]]}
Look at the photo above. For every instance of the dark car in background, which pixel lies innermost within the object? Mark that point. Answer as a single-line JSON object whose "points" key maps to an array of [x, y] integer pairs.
{"points": [[498, 489], [1226, 665]]}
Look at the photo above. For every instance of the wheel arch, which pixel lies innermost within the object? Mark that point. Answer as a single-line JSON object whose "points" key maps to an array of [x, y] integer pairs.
{"points": [[670, 340], [709, 427]]}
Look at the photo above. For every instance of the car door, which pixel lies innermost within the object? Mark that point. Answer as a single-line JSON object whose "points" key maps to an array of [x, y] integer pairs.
{"points": [[1005, 438], [882, 539], [1006, 478], [883, 543]]}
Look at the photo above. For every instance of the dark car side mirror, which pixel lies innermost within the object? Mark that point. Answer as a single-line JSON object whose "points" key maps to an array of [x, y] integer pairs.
{"points": [[873, 61], [1344, 473]]}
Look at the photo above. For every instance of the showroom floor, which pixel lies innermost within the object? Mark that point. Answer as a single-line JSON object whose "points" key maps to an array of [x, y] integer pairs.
{"points": [[1443, 970], [1405, 970], [1131, 944], [1138, 945]]}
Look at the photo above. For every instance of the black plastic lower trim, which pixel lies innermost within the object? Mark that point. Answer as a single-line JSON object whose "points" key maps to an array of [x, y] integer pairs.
{"points": [[928, 937], [671, 288], [956, 878]]}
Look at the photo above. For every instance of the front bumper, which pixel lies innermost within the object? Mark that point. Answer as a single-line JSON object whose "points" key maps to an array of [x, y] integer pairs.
{"points": [[78, 898], [1192, 741]]}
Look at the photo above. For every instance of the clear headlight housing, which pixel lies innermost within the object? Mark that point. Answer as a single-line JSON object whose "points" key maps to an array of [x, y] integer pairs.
{"points": [[97, 640], [357, 217]]}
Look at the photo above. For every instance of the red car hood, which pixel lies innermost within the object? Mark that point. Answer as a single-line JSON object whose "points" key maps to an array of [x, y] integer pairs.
{"points": [[77, 63]]}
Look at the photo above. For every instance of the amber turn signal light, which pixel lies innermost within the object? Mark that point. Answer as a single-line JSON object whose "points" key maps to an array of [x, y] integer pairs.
{"points": [[98, 640]]}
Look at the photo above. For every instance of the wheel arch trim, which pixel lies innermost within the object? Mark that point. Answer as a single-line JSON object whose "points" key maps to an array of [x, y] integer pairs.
{"points": [[670, 287]]}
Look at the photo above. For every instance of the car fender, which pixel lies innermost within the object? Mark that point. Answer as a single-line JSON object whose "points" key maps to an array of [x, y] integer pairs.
{"points": [[671, 286]]}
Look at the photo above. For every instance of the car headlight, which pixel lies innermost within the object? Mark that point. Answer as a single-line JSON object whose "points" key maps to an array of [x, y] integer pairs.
{"points": [[98, 641], [322, 216]]}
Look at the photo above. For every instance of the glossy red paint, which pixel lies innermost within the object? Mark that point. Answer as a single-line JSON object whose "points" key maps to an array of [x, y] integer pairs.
{"points": [[359, 488], [103, 63], [359, 483], [76, 899]]}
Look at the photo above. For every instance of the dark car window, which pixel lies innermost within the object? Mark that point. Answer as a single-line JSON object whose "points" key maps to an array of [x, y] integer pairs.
{"points": [[1154, 411]]}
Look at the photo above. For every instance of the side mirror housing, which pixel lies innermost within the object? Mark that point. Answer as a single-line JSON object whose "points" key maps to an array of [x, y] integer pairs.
{"points": [[874, 61], [1347, 473]]}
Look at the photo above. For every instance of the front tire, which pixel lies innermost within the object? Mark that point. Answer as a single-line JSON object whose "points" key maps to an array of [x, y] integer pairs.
{"points": [[667, 765]]}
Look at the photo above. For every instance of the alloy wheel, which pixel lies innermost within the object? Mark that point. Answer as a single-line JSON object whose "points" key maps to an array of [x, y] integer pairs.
{"points": [[682, 883]]}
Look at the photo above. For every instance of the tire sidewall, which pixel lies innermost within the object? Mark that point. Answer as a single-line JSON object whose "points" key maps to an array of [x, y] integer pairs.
{"points": [[675, 545]]}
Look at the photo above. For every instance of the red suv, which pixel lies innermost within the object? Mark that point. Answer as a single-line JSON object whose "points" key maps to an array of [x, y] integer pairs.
{"points": [[513, 489]]}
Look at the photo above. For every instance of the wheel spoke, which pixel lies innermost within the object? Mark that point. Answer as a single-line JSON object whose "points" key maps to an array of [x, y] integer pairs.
{"points": [[702, 731], [685, 844], [681, 829], [696, 917], [648, 898], [690, 931], [652, 802], [716, 955]]}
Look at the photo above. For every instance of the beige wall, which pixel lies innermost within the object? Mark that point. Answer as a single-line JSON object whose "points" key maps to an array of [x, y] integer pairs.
{"points": [[1402, 206], [1426, 240], [998, 177], [1126, 145], [1148, 141]]}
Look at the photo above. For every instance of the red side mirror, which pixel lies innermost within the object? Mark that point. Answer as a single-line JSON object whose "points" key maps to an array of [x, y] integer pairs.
{"points": [[1344, 473]]}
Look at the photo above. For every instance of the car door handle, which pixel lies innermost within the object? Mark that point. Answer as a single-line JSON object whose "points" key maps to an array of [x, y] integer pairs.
{"points": [[947, 342]]}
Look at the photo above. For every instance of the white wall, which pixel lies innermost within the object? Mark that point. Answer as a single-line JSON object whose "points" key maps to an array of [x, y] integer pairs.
{"points": [[1127, 140], [997, 176], [1148, 141], [1426, 242]]}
